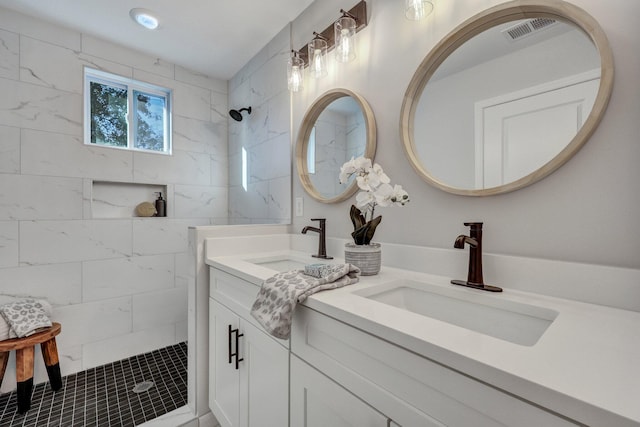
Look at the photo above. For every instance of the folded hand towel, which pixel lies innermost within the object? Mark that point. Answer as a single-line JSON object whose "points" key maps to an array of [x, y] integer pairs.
{"points": [[280, 293], [318, 270], [25, 317]]}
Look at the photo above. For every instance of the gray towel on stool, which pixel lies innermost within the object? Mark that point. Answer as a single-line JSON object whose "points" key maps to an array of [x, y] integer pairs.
{"points": [[24, 317], [280, 293]]}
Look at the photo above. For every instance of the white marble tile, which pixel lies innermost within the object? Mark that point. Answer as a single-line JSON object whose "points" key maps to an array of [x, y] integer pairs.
{"points": [[219, 170], [159, 308], [249, 69], [39, 29], [199, 79], [9, 149], [270, 80], [60, 284], [162, 235], [220, 108], [271, 159], [256, 127], [280, 199], [36, 107], [253, 203], [123, 55], [119, 277], [199, 136], [46, 64], [200, 201], [279, 114], [8, 244], [26, 197], [123, 346], [182, 167], [44, 242], [93, 321], [53, 154], [9, 55], [185, 267]]}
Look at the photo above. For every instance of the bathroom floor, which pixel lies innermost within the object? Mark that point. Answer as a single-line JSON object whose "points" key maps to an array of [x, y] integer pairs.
{"points": [[124, 393]]}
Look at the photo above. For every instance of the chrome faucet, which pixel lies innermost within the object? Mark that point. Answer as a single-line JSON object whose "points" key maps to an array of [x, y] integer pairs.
{"points": [[322, 237], [474, 240]]}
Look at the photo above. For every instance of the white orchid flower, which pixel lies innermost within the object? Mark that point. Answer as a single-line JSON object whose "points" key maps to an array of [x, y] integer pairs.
{"points": [[375, 185], [383, 195], [377, 169], [364, 199]]}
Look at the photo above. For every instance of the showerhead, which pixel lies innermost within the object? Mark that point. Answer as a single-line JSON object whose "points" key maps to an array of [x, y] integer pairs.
{"points": [[237, 114]]}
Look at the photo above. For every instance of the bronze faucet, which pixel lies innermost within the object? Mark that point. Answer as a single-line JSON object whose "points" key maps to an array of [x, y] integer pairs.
{"points": [[322, 238], [474, 278]]}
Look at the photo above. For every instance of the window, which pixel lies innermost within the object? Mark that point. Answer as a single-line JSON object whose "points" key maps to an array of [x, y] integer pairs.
{"points": [[311, 152], [125, 113]]}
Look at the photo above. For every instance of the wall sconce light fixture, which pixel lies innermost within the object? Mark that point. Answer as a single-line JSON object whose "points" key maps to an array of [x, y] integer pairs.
{"points": [[417, 9], [318, 56], [345, 31], [295, 70], [338, 35]]}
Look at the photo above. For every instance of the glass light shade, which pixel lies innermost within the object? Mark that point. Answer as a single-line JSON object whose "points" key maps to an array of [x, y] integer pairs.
{"points": [[295, 70], [318, 57], [345, 31], [417, 9]]}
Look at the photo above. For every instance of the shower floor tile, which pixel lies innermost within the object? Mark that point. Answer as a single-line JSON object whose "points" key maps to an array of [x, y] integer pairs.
{"points": [[105, 396]]}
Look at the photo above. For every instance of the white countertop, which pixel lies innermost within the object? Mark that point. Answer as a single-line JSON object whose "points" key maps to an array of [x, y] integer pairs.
{"points": [[585, 366]]}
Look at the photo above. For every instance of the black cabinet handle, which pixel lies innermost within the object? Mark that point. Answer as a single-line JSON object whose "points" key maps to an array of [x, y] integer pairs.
{"points": [[232, 353]]}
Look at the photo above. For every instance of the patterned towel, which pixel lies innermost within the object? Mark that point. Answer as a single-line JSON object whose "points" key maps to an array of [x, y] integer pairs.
{"points": [[26, 317], [280, 293]]}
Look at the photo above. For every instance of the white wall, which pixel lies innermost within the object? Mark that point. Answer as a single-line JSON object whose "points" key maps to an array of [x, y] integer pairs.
{"points": [[587, 211], [118, 285]]}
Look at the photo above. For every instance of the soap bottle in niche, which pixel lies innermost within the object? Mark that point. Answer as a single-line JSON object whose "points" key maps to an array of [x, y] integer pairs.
{"points": [[161, 205]]}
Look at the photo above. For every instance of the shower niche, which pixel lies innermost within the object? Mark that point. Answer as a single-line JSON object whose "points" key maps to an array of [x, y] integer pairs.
{"points": [[119, 199]]}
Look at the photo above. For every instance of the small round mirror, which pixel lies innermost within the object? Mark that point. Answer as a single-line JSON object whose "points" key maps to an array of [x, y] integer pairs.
{"points": [[338, 126], [507, 97]]}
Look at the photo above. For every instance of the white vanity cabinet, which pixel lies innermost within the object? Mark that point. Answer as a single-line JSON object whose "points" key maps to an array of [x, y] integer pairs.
{"points": [[248, 369], [317, 401], [410, 390]]}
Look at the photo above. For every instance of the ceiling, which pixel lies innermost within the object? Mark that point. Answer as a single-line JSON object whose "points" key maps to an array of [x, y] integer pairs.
{"points": [[213, 37]]}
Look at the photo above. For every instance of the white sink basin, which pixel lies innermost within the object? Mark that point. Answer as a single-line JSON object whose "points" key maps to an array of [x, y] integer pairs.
{"points": [[281, 262], [491, 315]]}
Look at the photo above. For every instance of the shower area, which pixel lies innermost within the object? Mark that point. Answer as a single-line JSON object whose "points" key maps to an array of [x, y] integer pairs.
{"points": [[119, 284]]}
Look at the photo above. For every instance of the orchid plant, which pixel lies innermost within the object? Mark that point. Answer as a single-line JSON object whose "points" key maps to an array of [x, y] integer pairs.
{"points": [[376, 190]]}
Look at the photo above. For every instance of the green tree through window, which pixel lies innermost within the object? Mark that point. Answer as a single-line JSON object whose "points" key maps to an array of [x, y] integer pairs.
{"points": [[108, 115]]}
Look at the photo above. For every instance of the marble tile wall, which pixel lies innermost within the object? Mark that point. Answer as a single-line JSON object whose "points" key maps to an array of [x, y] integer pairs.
{"points": [[265, 135], [117, 283]]}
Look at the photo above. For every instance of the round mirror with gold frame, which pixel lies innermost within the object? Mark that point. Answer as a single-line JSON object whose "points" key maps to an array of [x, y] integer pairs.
{"points": [[339, 125], [507, 97]]}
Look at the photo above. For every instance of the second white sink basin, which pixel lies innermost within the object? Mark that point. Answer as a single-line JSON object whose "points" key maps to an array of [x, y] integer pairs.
{"points": [[511, 321]]}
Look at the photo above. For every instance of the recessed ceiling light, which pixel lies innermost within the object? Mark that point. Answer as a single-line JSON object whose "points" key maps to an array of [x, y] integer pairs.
{"points": [[144, 17]]}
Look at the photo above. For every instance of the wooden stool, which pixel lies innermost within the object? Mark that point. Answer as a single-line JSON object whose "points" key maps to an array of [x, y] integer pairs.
{"points": [[24, 348]]}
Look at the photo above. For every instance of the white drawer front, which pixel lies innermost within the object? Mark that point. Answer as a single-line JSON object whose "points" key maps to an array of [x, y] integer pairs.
{"points": [[388, 377]]}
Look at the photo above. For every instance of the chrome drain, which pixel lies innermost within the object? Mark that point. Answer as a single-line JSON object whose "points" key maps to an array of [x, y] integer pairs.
{"points": [[143, 386]]}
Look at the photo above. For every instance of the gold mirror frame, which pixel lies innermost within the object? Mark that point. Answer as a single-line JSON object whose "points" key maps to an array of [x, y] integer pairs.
{"points": [[309, 120], [507, 12]]}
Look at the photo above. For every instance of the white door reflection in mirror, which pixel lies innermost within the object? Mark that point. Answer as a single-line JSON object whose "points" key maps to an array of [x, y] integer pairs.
{"points": [[518, 132]]}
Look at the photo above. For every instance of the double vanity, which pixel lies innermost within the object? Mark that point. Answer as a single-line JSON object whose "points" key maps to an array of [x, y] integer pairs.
{"points": [[407, 348]]}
